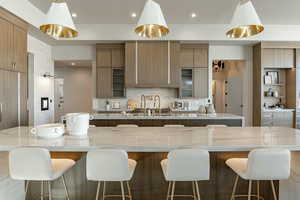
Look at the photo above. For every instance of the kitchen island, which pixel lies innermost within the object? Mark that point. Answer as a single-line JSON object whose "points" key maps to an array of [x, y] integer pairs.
{"points": [[188, 119], [149, 145]]}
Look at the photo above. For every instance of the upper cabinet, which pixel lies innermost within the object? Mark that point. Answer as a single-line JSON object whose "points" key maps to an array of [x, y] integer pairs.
{"points": [[13, 42], [277, 58], [152, 64], [110, 64], [194, 71], [193, 55]]}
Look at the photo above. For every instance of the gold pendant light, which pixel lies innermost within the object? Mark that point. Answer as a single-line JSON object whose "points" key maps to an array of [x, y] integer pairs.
{"points": [[152, 23], [245, 21], [59, 22]]}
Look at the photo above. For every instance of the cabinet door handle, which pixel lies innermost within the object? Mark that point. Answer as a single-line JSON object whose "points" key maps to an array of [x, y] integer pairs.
{"points": [[1, 112]]}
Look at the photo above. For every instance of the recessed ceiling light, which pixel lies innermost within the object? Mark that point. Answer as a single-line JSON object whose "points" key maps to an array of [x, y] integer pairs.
{"points": [[133, 15], [193, 15], [74, 15], [73, 64]]}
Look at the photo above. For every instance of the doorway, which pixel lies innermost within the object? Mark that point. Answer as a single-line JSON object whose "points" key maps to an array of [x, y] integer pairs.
{"points": [[228, 86], [73, 87]]}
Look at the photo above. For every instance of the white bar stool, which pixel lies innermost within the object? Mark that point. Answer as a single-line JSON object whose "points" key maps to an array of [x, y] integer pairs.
{"points": [[110, 166], [127, 126], [35, 164], [173, 126], [186, 165], [261, 164]]}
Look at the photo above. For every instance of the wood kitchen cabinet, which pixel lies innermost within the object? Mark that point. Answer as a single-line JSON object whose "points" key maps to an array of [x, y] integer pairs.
{"points": [[8, 99], [130, 64], [200, 83], [20, 49], [13, 42], [110, 58], [104, 82], [282, 119], [194, 55], [278, 58], [153, 64]]}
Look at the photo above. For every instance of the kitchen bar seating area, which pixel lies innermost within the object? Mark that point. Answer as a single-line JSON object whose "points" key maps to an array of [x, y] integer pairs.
{"points": [[149, 100]]}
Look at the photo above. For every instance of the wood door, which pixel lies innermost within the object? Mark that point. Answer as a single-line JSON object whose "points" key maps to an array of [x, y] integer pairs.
{"points": [[118, 57], [200, 82], [130, 64], [6, 45], [187, 57], [201, 57], [144, 63], [20, 49], [104, 82], [104, 57], [175, 70], [23, 99]]}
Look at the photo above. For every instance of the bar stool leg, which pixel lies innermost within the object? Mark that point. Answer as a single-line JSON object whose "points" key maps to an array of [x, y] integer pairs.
{"points": [[26, 188], [197, 189], [122, 188], [65, 186], [129, 190], [49, 188], [103, 193], [98, 188], [249, 190], [169, 188], [273, 189], [257, 190], [42, 190], [234, 187], [194, 191], [173, 190]]}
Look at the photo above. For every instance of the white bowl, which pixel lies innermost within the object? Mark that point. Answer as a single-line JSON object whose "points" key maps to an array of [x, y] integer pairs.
{"points": [[49, 131]]}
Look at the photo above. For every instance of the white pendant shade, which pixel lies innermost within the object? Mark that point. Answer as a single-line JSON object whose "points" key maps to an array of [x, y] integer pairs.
{"points": [[245, 21], [59, 22], [152, 23]]}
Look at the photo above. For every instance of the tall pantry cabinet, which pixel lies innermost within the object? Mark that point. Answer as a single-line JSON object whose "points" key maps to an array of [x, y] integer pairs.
{"points": [[13, 71]]}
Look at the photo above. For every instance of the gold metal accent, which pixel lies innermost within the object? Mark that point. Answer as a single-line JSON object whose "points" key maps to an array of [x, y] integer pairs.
{"points": [[152, 30], [58, 31], [245, 31]]}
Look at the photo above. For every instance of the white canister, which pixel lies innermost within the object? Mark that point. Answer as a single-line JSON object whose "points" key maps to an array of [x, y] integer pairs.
{"points": [[78, 123], [48, 131]]}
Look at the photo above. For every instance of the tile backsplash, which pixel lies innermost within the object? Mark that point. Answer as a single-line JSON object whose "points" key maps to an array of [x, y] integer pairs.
{"points": [[167, 97]]}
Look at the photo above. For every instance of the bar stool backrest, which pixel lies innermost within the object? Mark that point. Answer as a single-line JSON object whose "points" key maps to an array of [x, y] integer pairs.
{"points": [[269, 164], [188, 164], [127, 126], [30, 164], [107, 165]]}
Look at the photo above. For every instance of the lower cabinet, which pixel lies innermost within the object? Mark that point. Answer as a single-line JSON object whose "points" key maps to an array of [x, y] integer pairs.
{"points": [[283, 119]]}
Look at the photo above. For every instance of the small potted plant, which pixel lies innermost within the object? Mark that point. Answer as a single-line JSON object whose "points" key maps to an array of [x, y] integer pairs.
{"points": [[107, 105]]}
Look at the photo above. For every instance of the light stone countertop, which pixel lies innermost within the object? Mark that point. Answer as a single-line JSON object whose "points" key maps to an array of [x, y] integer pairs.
{"points": [[172, 116], [279, 110], [159, 139]]}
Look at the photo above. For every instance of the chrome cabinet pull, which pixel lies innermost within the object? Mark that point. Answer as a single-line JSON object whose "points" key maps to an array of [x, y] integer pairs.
{"points": [[1, 106]]}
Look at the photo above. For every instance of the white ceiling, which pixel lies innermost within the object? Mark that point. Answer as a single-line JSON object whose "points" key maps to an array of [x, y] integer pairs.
{"points": [[273, 12]]}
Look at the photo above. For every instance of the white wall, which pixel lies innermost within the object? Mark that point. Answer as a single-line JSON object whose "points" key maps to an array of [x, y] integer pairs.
{"points": [[43, 87], [77, 88], [229, 52], [74, 52]]}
